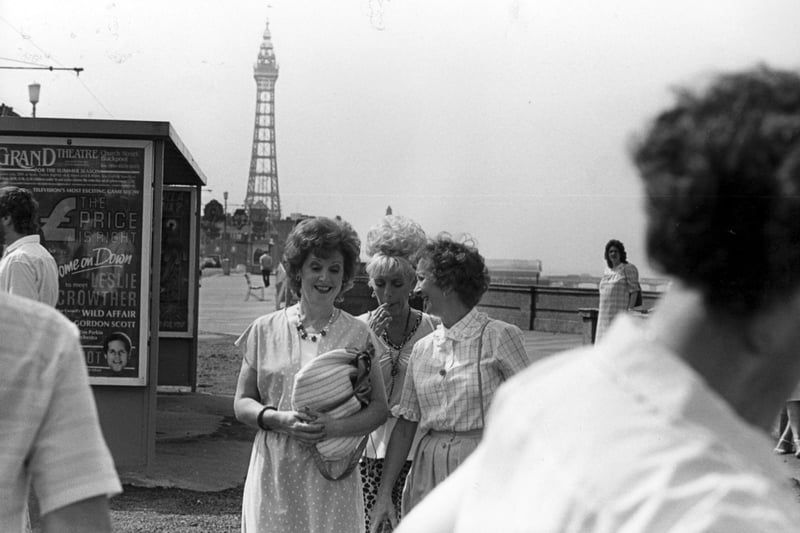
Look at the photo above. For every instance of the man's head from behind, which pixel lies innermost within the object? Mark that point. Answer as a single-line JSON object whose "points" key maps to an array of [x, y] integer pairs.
{"points": [[17, 212], [722, 177]]}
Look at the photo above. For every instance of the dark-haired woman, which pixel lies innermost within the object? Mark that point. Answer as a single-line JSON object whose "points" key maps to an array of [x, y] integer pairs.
{"points": [[285, 491], [452, 375], [618, 287]]}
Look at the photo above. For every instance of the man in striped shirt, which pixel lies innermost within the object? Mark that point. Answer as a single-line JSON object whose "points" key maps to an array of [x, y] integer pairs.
{"points": [[51, 438]]}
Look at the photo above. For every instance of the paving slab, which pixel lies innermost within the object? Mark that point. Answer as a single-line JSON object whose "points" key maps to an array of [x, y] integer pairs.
{"points": [[199, 445], [203, 465]]}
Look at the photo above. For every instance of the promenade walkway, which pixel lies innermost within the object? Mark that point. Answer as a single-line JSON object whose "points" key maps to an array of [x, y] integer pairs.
{"points": [[192, 451], [223, 310]]}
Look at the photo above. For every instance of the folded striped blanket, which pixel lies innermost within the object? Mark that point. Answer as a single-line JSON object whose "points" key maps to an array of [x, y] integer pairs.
{"points": [[326, 384]]}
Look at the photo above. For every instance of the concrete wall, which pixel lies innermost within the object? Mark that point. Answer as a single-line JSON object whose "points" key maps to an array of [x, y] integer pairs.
{"points": [[557, 308], [359, 300], [530, 307], [510, 303]]}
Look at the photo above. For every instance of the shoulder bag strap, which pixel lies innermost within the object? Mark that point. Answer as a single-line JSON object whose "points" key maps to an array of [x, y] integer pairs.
{"points": [[480, 381], [322, 466]]}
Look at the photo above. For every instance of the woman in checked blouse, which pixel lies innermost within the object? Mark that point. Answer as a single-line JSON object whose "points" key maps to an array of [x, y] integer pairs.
{"points": [[445, 394]]}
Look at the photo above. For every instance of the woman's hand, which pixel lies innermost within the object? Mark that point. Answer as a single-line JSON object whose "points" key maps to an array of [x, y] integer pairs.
{"points": [[379, 319], [383, 511], [305, 426]]}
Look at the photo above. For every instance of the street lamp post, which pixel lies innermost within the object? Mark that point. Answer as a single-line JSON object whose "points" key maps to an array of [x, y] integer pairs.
{"points": [[225, 223], [33, 95]]}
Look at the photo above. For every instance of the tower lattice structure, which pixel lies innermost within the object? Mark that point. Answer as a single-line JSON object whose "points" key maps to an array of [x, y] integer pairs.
{"points": [[263, 200]]}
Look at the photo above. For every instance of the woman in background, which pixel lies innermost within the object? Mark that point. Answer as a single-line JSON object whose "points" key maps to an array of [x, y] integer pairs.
{"points": [[284, 491], [392, 246], [619, 286], [452, 375]]}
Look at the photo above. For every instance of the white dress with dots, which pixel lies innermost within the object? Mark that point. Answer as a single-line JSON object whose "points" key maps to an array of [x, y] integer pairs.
{"points": [[284, 492]]}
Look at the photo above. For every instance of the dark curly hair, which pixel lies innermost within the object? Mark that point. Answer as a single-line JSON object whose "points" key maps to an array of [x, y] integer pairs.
{"points": [[623, 255], [721, 171], [22, 206], [458, 267], [323, 237]]}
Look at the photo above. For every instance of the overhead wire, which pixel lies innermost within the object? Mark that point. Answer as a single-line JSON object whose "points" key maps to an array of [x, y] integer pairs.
{"points": [[22, 61], [49, 56], [51, 68]]}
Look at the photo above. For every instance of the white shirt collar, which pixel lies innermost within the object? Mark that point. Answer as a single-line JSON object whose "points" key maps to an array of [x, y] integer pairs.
{"points": [[27, 239]]}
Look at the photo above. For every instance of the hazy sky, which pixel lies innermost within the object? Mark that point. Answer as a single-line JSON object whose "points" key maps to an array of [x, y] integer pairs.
{"points": [[504, 119]]}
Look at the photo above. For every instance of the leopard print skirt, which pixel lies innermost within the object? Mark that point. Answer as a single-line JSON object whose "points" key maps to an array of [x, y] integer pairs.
{"points": [[371, 470]]}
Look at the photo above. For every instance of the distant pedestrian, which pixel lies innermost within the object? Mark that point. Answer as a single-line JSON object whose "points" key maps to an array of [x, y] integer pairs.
{"points": [[662, 427], [26, 268], [266, 267], [452, 376], [50, 438], [619, 287], [285, 490]]}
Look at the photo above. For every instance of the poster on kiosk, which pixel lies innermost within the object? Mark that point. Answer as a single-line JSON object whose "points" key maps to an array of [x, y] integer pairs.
{"points": [[95, 214]]}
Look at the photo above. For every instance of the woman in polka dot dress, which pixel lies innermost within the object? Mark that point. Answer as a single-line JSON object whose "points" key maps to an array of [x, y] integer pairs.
{"points": [[284, 491]]}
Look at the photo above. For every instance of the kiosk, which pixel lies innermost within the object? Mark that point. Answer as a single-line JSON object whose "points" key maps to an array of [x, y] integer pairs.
{"points": [[119, 205]]}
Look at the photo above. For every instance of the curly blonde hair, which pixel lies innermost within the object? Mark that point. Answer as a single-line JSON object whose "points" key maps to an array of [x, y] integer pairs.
{"points": [[394, 244]]}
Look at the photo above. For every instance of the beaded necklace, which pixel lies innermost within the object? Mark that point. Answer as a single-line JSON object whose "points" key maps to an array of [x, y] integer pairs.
{"points": [[395, 359], [409, 334], [301, 329]]}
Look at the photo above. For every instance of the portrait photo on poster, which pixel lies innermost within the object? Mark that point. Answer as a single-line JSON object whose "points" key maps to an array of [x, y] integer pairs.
{"points": [[117, 348]]}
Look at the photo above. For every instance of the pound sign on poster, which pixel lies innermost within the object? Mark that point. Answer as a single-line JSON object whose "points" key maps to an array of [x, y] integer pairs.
{"points": [[58, 215]]}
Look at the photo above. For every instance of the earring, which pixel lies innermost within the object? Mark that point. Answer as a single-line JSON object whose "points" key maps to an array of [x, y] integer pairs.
{"points": [[375, 296]]}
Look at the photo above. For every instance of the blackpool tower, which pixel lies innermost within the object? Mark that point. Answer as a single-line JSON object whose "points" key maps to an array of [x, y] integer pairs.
{"points": [[263, 202]]}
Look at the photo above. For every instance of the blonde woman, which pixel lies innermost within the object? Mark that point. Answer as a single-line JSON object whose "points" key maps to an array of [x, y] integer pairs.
{"points": [[392, 246]]}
